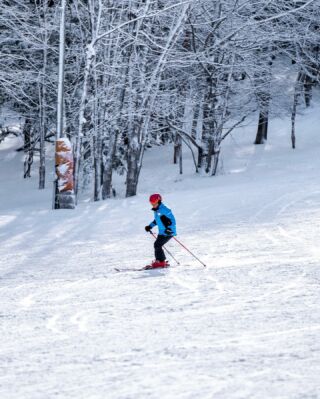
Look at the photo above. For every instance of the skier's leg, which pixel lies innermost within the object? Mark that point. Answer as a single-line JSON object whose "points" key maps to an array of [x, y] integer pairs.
{"points": [[158, 250]]}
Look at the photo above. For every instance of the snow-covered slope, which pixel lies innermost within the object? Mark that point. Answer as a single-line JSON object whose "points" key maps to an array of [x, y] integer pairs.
{"points": [[247, 326]]}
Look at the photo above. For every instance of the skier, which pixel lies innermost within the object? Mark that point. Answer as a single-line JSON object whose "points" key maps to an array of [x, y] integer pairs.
{"points": [[164, 219]]}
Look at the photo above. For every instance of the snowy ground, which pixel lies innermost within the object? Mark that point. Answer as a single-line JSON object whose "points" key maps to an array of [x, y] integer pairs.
{"points": [[248, 326]]}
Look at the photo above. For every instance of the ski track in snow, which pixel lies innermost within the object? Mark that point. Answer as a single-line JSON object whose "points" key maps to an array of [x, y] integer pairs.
{"points": [[247, 326]]}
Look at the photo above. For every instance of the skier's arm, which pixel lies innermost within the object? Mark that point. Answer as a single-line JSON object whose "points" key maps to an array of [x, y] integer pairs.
{"points": [[169, 222], [150, 226], [168, 219]]}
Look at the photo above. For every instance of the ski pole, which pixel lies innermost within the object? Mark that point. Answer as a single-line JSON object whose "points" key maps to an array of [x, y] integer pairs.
{"points": [[183, 246], [169, 253]]}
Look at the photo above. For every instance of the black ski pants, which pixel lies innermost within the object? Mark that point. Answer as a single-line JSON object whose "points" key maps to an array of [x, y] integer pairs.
{"points": [[158, 250]]}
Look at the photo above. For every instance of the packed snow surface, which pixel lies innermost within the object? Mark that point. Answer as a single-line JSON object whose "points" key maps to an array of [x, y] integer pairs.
{"points": [[247, 326]]}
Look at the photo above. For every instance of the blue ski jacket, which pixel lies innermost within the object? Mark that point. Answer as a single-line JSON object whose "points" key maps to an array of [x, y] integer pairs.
{"points": [[164, 219]]}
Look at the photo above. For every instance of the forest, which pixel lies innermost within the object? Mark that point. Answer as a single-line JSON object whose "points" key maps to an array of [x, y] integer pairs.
{"points": [[112, 78]]}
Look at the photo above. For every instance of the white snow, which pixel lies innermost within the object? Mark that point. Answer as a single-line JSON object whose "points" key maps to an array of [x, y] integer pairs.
{"points": [[248, 326]]}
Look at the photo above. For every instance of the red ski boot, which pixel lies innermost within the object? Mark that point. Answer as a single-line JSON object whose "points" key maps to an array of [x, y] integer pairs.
{"points": [[157, 264]]}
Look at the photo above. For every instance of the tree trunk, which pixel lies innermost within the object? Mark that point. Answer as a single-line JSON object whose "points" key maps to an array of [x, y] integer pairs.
{"points": [[107, 168], [27, 135], [43, 104], [200, 158], [176, 148], [97, 145], [132, 173], [208, 127], [216, 156], [89, 59], [42, 167], [209, 155], [97, 167], [262, 79], [297, 92], [307, 85], [180, 156], [262, 132]]}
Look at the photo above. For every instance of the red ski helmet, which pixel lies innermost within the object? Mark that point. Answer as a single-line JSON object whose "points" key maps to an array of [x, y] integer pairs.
{"points": [[154, 198]]}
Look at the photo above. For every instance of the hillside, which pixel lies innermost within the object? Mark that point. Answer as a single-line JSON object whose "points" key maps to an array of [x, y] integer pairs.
{"points": [[247, 326]]}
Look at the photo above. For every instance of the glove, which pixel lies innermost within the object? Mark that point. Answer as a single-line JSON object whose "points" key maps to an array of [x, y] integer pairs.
{"points": [[147, 228], [168, 231]]}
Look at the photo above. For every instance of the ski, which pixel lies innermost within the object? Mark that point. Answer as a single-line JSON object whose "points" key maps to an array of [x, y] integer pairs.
{"points": [[129, 269]]}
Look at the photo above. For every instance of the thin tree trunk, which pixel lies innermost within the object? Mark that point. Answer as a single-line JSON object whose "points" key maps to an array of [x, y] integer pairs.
{"points": [[27, 135], [43, 111], [208, 127], [97, 147], [297, 92], [177, 152], [180, 157], [176, 148], [97, 167]]}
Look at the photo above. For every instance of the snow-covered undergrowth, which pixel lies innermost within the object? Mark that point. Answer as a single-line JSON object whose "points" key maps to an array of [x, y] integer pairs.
{"points": [[248, 326]]}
